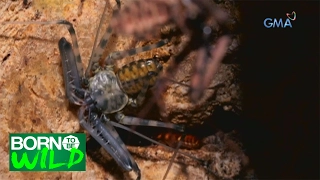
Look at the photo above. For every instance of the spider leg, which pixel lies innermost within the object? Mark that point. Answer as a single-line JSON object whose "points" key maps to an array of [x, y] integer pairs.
{"points": [[173, 157], [115, 134], [109, 139], [98, 51], [110, 59], [72, 78], [129, 120], [176, 150]]}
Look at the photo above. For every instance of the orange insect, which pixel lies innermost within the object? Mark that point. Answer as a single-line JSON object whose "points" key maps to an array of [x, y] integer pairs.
{"points": [[172, 140]]}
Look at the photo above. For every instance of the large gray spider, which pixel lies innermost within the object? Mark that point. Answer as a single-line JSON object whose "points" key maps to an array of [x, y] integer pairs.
{"points": [[101, 92], [107, 93]]}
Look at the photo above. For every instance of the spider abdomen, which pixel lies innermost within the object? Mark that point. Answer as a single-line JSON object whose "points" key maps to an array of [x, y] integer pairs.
{"points": [[106, 92], [133, 75]]}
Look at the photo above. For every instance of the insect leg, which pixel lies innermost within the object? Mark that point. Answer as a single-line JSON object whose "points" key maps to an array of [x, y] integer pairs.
{"points": [[129, 120], [109, 139], [109, 60], [72, 78]]}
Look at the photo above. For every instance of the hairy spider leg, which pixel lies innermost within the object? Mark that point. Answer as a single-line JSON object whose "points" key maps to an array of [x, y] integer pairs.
{"points": [[175, 150], [97, 51], [109, 139], [130, 120], [112, 57]]}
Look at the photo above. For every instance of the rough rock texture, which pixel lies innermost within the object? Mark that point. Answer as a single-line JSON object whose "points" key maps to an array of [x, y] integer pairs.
{"points": [[223, 156], [224, 90], [33, 97]]}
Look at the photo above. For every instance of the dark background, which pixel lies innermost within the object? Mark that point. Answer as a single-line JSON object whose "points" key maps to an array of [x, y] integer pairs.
{"points": [[281, 94]]}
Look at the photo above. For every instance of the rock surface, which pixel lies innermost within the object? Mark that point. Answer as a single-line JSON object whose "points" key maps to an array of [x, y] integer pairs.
{"points": [[33, 97]]}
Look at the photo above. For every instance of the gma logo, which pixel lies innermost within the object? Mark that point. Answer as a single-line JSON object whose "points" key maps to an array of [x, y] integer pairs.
{"points": [[277, 23]]}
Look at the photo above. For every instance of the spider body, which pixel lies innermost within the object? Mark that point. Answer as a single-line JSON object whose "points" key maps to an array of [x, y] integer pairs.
{"points": [[106, 92], [133, 75], [111, 90]]}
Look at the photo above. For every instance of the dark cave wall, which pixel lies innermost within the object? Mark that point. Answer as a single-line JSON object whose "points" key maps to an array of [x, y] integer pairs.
{"points": [[281, 95]]}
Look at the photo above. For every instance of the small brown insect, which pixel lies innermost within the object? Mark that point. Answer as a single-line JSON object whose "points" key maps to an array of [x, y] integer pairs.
{"points": [[172, 140]]}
